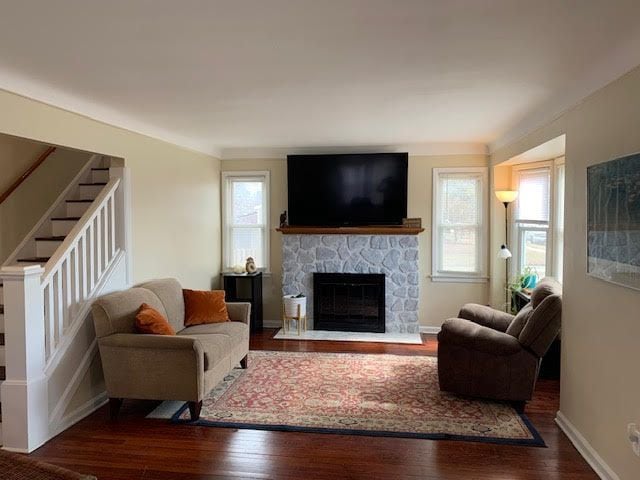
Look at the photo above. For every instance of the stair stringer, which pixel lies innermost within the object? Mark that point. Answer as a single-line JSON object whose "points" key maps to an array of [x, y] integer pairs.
{"points": [[66, 375], [27, 247]]}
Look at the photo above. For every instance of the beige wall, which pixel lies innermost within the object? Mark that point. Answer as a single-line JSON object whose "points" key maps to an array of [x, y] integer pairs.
{"points": [[20, 212], [16, 155], [438, 301], [600, 392], [175, 192]]}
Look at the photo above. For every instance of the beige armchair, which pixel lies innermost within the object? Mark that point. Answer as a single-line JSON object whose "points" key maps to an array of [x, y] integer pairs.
{"points": [[157, 367], [491, 354]]}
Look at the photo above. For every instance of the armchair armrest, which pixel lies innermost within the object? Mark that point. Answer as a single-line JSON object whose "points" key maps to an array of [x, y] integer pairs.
{"points": [[239, 312], [153, 367], [486, 316], [470, 335]]}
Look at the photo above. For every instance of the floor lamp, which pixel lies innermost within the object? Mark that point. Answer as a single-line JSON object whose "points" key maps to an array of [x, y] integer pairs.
{"points": [[506, 197]]}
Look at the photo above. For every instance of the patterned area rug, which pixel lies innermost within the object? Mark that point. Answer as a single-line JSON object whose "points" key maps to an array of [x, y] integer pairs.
{"points": [[378, 395]]}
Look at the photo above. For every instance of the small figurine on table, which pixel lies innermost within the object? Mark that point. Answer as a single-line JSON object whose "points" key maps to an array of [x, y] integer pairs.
{"points": [[251, 265], [283, 219]]}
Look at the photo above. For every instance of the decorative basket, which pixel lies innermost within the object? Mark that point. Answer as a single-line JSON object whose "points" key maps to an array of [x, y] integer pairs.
{"points": [[291, 303]]}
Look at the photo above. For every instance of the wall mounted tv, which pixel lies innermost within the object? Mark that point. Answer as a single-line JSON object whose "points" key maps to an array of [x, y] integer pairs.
{"points": [[347, 189]]}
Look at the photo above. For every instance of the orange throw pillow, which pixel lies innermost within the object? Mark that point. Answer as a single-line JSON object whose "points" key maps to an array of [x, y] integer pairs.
{"points": [[204, 306], [150, 320]]}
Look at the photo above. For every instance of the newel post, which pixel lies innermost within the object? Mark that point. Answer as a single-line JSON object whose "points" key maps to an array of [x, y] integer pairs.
{"points": [[123, 216], [25, 410]]}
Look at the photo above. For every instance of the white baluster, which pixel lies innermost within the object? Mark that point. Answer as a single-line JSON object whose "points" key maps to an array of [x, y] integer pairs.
{"points": [[59, 308], [76, 273], [83, 266], [91, 262], [98, 245], [105, 233], [112, 225], [67, 291]]}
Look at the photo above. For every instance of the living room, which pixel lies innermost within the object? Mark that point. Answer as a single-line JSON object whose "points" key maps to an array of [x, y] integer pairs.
{"points": [[534, 98]]}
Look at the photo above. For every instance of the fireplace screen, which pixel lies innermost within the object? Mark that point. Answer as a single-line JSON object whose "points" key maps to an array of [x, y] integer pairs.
{"points": [[350, 302]]}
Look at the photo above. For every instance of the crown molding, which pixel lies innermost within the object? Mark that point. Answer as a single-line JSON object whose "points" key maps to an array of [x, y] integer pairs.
{"points": [[427, 149], [620, 62], [34, 90]]}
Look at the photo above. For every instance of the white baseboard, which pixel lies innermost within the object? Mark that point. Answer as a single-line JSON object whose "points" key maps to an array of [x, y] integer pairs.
{"points": [[272, 323], [585, 449], [429, 329]]}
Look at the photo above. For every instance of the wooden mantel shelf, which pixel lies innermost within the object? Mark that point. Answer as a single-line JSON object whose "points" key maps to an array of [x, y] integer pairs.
{"points": [[372, 230]]}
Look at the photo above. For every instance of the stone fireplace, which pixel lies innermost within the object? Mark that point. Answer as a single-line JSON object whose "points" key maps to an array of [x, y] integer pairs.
{"points": [[394, 256]]}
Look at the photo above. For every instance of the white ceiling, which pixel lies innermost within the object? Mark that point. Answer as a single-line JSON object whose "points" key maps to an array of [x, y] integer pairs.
{"points": [[214, 75]]}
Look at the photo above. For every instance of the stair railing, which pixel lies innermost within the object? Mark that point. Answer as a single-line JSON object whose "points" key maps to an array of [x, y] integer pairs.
{"points": [[45, 308]]}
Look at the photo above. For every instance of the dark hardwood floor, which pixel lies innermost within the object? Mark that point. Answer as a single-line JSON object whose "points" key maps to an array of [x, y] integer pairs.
{"points": [[138, 448]]}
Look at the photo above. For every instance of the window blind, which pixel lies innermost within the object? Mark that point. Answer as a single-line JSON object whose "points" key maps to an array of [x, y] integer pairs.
{"points": [[534, 195]]}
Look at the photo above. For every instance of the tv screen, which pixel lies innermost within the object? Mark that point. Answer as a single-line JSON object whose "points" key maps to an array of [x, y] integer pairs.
{"points": [[347, 189]]}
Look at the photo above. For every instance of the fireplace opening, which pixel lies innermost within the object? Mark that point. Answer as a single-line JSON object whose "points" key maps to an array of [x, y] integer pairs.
{"points": [[349, 302]]}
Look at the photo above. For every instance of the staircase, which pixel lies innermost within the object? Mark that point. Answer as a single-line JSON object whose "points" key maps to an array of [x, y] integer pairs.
{"points": [[47, 286]]}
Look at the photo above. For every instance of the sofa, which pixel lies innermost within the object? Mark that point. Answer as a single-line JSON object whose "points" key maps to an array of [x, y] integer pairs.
{"points": [[186, 366], [492, 354]]}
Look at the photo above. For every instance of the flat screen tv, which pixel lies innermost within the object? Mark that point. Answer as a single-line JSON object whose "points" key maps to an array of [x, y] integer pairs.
{"points": [[347, 189]]}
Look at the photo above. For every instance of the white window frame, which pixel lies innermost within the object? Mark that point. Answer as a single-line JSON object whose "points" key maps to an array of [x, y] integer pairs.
{"points": [[518, 226], [257, 175], [481, 275], [559, 218]]}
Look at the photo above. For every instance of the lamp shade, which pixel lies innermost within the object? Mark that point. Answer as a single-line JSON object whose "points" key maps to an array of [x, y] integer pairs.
{"points": [[504, 253], [506, 196]]}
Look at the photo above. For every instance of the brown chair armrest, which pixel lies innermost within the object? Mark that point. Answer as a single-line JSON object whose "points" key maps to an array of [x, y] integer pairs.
{"points": [[470, 335], [486, 316], [239, 311]]}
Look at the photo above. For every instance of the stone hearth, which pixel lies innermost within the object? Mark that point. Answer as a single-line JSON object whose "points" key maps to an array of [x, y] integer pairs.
{"points": [[396, 256]]}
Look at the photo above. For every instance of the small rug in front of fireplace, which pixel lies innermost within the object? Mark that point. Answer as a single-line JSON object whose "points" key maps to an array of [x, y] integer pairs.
{"points": [[359, 394]]}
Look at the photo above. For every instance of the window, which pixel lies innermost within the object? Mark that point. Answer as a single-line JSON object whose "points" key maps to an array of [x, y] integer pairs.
{"points": [[459, 224], [245, 218], [532, 215]]}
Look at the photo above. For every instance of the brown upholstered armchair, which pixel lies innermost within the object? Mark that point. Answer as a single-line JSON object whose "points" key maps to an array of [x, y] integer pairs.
{"points": [[492, 354]]}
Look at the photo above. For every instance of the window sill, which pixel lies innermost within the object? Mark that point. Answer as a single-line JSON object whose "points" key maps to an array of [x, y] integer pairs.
{"points": [[454, 279]]}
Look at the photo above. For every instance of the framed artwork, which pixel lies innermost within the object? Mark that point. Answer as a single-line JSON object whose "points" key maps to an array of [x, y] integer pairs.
{"points": [[613, 222]]}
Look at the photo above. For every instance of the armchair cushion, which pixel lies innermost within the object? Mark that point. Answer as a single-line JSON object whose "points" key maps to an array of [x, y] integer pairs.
{"points": [[486, 316], [543, 325], [520, 321], [470, 335], [546, 287]]}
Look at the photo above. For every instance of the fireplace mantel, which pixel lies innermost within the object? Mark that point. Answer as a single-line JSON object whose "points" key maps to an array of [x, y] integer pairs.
{"points": [[372, 230]]}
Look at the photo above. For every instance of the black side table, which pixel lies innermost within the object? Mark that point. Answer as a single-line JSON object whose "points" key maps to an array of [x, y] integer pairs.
{"points": [[246, 287]]}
